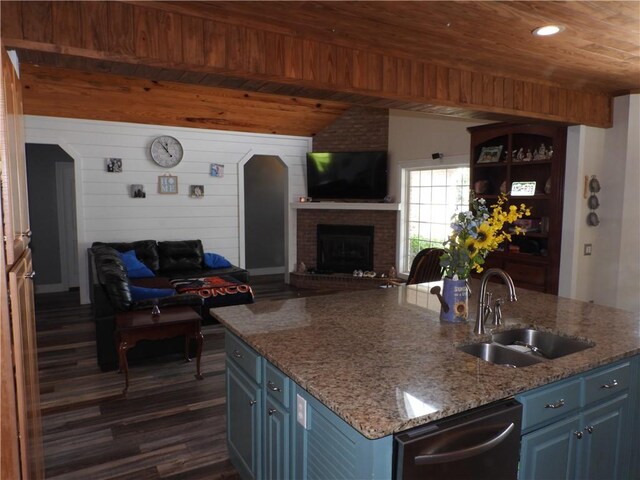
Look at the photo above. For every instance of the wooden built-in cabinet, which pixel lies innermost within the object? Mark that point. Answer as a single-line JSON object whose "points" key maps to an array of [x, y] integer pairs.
{"points": [[502, 154], [21, 456]]}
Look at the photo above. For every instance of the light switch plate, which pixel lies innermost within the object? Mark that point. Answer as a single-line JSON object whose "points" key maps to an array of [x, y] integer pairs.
{"points": [[301, 411]]}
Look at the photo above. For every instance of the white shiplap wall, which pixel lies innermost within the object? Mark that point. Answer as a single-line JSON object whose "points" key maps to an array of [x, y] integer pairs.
{"points": [[106, 212]]}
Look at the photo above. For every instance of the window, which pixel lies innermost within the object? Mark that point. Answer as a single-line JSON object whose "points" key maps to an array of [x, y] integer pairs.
{"points": [[434, 195]]}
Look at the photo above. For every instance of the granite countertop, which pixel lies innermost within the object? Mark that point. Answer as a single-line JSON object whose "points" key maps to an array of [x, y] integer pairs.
{"points": [[383, 362]]}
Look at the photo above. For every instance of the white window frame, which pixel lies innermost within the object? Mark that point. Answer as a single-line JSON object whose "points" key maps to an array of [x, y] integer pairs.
{"points": [[456, 161]]}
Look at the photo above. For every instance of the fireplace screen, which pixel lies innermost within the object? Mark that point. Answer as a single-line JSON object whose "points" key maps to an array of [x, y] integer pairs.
{"points": [[344, 248]]}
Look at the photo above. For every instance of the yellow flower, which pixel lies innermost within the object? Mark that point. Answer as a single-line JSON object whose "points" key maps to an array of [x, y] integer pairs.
{"points": [[484, 236], [471, 247]]}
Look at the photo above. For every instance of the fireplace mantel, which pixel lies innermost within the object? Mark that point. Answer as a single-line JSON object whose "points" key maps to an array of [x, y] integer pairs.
{"points": [[345, 206]]}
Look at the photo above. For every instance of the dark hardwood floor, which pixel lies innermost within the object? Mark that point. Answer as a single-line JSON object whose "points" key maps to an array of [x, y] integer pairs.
{"points": [[170, 425]]}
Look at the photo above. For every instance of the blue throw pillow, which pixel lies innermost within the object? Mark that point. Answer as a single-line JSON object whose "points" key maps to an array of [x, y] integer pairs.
{"points": [[135, 268], [213, 260], [141, 293]]}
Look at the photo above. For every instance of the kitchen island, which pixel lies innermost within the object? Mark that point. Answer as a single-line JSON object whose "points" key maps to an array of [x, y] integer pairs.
{"points": [[382, 362]]}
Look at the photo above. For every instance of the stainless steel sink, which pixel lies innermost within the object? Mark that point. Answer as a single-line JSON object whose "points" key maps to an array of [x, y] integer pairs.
{"points": [[545, 344], [493, 353]]}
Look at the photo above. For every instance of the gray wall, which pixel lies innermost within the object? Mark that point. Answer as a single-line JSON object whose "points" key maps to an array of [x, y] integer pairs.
{"points": [[264, 185], [43, 212]]}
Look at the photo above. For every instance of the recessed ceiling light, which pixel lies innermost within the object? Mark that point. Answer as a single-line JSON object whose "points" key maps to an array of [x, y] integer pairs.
{"points": [[547, 30]]}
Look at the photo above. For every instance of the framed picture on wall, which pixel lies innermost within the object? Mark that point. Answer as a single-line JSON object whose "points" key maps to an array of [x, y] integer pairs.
{"points": [[137, 191], [114, 165], [196, 191], [167, 184], [217, 170]]}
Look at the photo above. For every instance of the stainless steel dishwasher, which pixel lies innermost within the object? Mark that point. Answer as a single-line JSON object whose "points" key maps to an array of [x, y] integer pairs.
{"points": [[478, 444]]}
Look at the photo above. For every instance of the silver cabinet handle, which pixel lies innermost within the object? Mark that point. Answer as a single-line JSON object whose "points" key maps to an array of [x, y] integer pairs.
{"points": [[558, 404], [578, 434], [29, 274], [273, 387], [590, 429], [252, 403], [237, 354], [272, 411], [610, 385], [452, 456]]}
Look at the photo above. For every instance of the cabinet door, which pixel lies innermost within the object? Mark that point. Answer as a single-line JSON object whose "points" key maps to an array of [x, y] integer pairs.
{"points": [[277, 440], [604, 452], [13, 166], [550, 453], [25, 356], [244, 405]]}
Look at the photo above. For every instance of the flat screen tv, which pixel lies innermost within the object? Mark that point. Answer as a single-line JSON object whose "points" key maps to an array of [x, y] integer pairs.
{"points": [[347, 175]]}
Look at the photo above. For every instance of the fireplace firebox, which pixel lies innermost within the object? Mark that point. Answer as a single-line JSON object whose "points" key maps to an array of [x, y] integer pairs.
{"points": [[344, 248]]}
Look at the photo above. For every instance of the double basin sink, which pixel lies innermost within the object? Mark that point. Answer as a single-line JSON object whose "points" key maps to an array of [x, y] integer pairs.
{"points": [[525, 346]]}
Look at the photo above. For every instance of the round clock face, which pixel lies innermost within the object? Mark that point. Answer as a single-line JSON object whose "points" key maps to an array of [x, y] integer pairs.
{"points": [[166, 151]]}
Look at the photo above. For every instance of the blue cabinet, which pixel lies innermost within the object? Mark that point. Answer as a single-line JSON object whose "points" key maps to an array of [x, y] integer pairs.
{"points": [[582, 427], [550, 452], [243, 422], [605, 444], [265, 440]]}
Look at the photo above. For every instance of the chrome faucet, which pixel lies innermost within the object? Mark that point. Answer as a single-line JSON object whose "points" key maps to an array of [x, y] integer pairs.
{"points": [[484, 299]]}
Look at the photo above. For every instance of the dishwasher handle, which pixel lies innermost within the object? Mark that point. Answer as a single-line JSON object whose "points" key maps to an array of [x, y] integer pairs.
{"points": [[465, 452]]}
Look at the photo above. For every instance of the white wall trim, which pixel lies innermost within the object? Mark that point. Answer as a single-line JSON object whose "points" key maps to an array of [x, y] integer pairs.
{"points": [[50, 288], [266, 271]]}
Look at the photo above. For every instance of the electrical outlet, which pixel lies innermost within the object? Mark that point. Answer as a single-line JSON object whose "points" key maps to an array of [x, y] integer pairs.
{"points": [[301, 411], [587, 249]]}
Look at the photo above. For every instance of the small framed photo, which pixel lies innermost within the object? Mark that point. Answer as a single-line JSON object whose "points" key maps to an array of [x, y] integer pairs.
{"points": [[167, 184], [114, 165], [196, 191], [137, 191], [217, 170], [490, 154]]}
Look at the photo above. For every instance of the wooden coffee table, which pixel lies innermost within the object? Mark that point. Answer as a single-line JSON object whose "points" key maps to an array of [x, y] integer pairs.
{"points": [[134, 326]]}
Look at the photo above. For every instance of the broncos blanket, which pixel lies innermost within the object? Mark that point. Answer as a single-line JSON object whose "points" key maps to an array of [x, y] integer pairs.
{"points": [[217, 291]]}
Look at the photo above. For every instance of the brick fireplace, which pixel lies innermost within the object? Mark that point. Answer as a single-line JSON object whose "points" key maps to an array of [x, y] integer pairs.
{"points": [[384, 223]]}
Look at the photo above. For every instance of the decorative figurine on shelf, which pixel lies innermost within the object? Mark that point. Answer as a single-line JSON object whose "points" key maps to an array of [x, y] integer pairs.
{"points": [[301, 268], [550, 152], [529, 156], [520, 155]]}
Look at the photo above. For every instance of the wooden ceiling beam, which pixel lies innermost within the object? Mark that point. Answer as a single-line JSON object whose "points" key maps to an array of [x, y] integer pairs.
{"points": [[138, 40]]}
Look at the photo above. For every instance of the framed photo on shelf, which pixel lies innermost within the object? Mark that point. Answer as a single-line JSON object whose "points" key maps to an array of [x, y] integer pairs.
{"points": [[490, 154], [167, 184]]}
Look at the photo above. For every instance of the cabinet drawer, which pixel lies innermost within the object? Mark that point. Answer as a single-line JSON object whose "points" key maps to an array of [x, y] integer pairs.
{"points": [[277, 384], [607, 382], [547, 403], [243, 356]]}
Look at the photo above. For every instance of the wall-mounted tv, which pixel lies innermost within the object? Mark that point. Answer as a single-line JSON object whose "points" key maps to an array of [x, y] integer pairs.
{"points": [[347, 175]]}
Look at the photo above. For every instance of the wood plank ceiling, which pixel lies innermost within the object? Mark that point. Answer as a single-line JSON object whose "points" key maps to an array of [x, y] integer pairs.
{"points": [[473, 59]]}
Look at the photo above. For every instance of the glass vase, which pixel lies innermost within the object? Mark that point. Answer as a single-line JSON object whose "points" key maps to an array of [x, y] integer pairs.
{"points": [[456, 298]]}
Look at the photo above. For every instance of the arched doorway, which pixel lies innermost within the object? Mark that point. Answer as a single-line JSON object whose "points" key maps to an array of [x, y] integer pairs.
{"points": [[52, 214], [265, 202]]}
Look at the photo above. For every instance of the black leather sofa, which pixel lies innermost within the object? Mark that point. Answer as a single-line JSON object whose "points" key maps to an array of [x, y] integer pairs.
{"points": [[110, 290]]}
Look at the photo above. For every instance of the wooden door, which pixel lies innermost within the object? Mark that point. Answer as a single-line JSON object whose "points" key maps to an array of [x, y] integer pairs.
{"points": [[25, 355], [21, 454], [12, 155]]}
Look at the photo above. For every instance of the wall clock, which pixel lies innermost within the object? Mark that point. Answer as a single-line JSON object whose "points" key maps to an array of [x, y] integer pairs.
{"points": [[166, 151]]}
